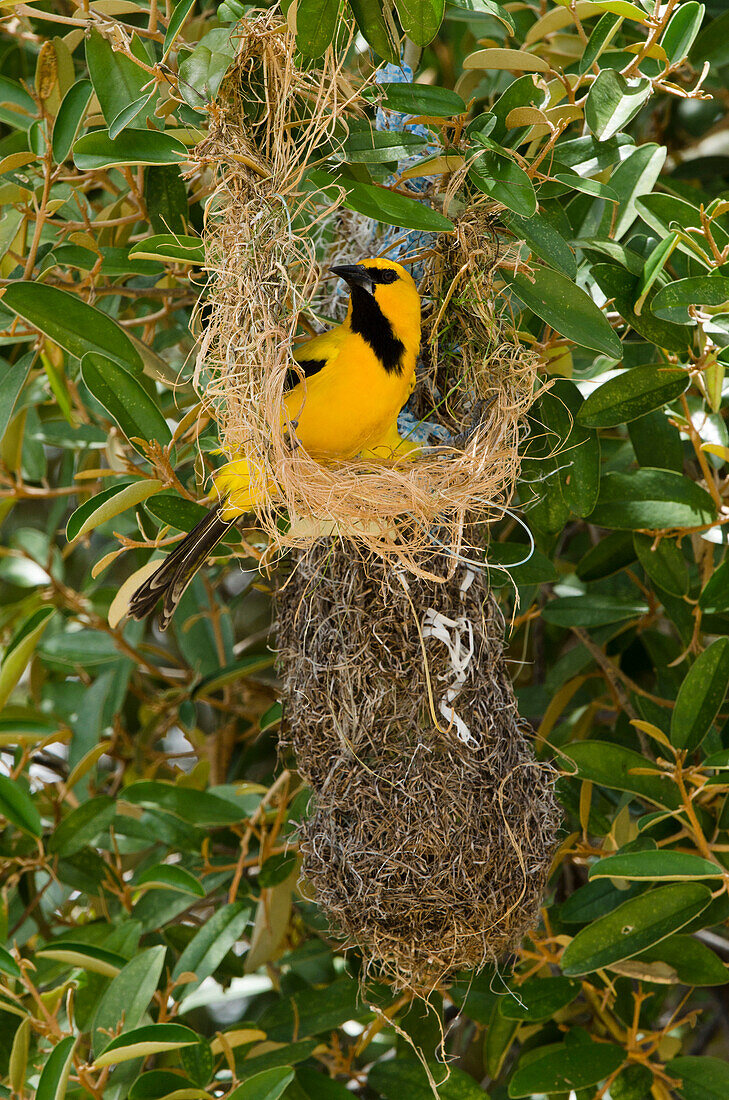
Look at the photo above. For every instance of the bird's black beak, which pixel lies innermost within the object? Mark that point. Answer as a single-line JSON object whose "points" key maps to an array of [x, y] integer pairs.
{"points": [[354, 275]]}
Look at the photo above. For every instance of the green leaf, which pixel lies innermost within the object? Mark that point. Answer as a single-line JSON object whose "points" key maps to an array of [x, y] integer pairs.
{"points": [[268, 1085], [127, 997], [165, 197], [54, 1078], [125, 400], [656, 866], [196, 807], [107, 504], [181, 11], [621, 769], [143, 1041], [161, 1084], [98, 150], [715, 595], [634, 926], [171, 877], [631, 394], [421, 19], [695, 963], [672, 301], [17, 806], [420, 99], [702, 1078], [201, 74], [69, 321], [382, 205], [544, 240], [651, 500], [13, 377], [663, 562], [20, 650], [381, 146], [624, 289], [128, 115], [538, 998], [665, 212], [578, 457], [372, 24], [701, 696], [8, 964], [499, 176], [632, 179], [117, 80], [608, 556], [174, 510], [209, 946], [681, 32], [79, 647], [566, 308], [85, 956], [316, 22], [591, 611], [602, 34], [82, 825], [170, 246], [312, 1011], [403, 1078], [656, 442], [612, 101], [69, 118], [566, 1066]]}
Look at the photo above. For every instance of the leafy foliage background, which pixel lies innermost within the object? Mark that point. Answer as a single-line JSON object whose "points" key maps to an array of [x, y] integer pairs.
{"points": [[155, 941]]}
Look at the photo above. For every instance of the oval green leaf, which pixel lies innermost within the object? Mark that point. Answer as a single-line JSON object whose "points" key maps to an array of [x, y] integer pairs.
{"points": [[568, 309], [54, 1078], [631, 394], [127, 403], [107, 504], [657, 866], [98, 150], [634, 926], [621, 769], [69, 118], [143, 1041], [69, 321], [700, 696], [651, 500], [382, 205], [17, 806]]}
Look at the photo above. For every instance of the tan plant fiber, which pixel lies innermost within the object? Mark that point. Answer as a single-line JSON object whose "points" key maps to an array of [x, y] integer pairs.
{"points": [[261, 233], [432, 826]]}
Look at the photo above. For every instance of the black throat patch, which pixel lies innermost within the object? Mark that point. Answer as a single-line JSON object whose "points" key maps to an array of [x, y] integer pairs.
{"points": [[370, 323]]}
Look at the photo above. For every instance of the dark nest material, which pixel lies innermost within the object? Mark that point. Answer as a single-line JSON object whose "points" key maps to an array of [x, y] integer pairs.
{"points": [[433, 826]]}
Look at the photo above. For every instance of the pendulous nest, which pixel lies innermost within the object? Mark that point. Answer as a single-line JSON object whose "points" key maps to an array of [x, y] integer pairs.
{"points": [[433, 826], [265, 238]]}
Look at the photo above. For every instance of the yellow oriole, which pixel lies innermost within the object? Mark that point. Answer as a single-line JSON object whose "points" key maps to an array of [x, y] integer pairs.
{"points": [[356, 378]]}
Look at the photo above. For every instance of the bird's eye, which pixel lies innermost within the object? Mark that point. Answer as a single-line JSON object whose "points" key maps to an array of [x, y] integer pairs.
{"points": [[387, 276]]}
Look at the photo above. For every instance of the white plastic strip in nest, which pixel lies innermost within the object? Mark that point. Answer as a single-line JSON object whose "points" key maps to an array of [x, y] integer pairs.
{"points": [[453, 633]]}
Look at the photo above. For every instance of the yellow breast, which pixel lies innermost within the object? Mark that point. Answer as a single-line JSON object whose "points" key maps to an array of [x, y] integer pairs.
{"points": [[350, 403]]}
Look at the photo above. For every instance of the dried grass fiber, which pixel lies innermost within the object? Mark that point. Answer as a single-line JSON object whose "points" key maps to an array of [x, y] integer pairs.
{"points": [[427, 849], [261, 235]]}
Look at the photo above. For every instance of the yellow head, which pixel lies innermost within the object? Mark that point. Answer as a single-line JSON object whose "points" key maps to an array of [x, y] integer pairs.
{"points": [[384, 306]]}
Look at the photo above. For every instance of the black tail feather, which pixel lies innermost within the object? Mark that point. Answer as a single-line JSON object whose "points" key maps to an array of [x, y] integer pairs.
{"points": [[178, 569]]}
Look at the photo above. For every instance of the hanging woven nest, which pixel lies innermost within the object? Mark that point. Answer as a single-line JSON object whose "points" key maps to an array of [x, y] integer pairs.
{"points": [[265, 244], [433, 826]]}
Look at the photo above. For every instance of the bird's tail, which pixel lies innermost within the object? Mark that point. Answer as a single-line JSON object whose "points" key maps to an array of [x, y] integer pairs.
{"points": [[179, 567]]}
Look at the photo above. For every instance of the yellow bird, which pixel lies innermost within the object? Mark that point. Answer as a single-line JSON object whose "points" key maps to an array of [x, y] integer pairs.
{"points": [[357, 377]]}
